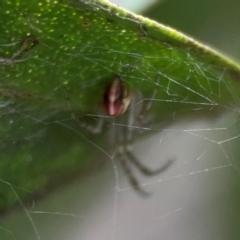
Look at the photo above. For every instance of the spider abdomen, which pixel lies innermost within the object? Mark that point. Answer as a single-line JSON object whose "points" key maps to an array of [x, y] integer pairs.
{"points": [[116, 97]]}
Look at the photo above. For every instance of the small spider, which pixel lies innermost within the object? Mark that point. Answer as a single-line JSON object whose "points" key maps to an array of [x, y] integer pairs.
{"points": [[128, 111], [25, 45]]}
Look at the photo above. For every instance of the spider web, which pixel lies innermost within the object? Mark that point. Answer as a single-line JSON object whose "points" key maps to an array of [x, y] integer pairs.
{"points": [[196, 196]]}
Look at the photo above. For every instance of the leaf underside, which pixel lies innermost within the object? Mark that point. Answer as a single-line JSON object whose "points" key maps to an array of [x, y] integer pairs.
{"points": [[55, 50]]}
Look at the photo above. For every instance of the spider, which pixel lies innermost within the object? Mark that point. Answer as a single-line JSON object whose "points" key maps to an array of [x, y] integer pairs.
{"points": [[127, 108], [25, 46]]}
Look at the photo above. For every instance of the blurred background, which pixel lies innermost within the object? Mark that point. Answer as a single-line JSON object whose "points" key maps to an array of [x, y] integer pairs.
{"points": [[215, 23]]}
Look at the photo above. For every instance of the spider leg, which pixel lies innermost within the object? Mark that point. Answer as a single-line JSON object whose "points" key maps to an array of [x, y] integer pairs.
{"points": [[93, 129], [147, 107], [143, 169], [136, 120], [132, 179]]}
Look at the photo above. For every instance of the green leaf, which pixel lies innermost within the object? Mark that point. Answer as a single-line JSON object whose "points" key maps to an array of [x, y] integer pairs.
{"points": [[60, 53]]}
